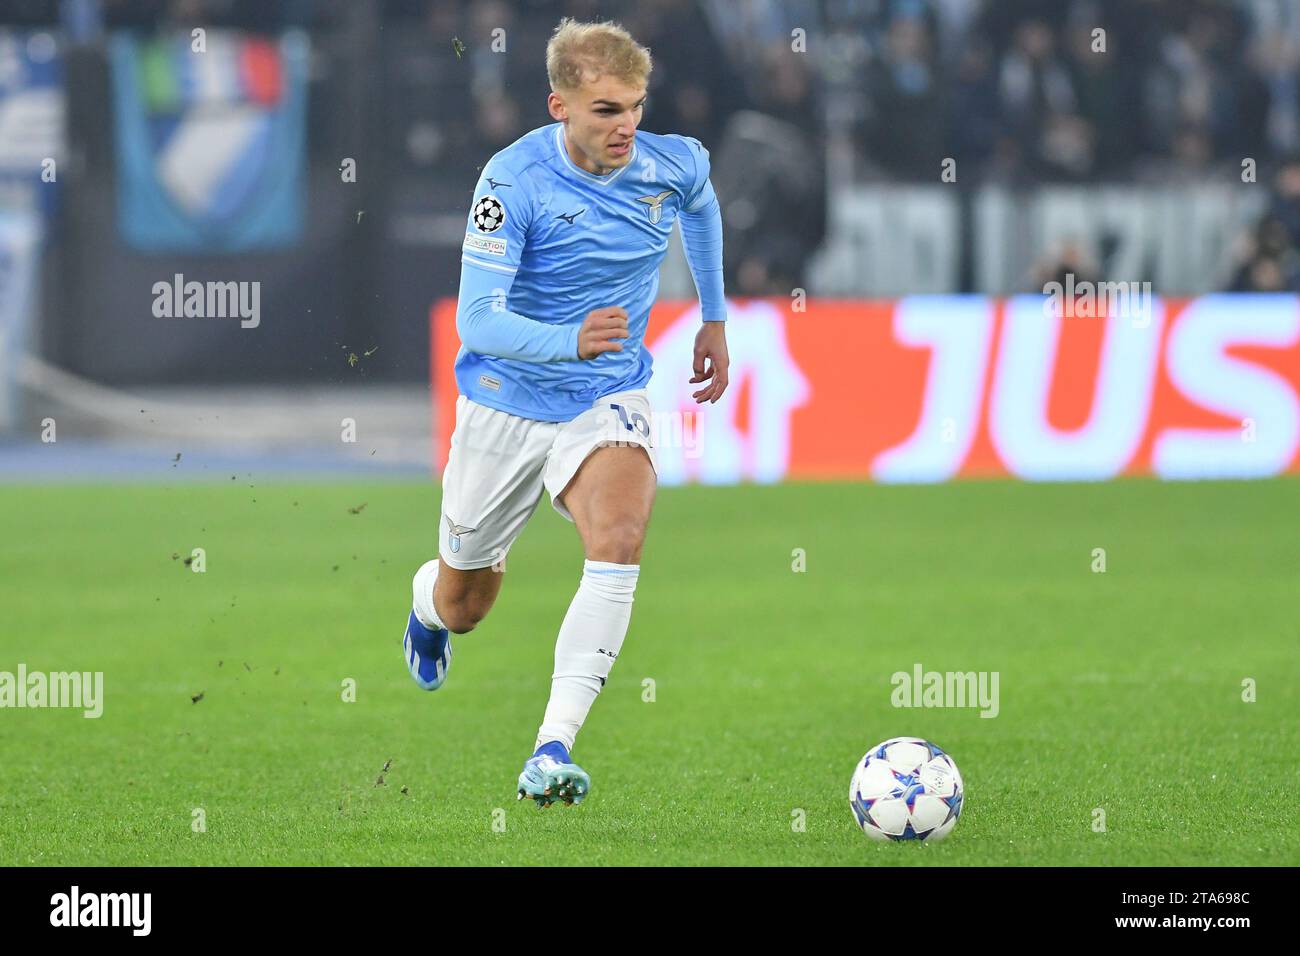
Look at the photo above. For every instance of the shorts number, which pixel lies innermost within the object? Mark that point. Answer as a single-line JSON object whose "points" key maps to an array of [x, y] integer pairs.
{"points": [[638, 420]]}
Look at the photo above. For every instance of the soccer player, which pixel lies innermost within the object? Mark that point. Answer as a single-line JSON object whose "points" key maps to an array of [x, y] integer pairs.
{"points": [[559, 268]]}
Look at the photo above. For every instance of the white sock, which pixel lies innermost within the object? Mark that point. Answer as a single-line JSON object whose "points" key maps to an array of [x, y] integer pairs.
{"points": [[589, 641], [422, 595]]}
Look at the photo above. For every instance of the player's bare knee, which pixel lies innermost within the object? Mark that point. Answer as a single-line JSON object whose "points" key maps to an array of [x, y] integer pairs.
{"points": [[619, 542]]}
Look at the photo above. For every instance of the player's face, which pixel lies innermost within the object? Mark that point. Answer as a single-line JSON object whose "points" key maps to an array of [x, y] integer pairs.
{"points": [[600, 122]]}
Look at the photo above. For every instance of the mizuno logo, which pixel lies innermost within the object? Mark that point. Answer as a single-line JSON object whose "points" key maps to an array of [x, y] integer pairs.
{"points": [[571, 216], [496, 183]]}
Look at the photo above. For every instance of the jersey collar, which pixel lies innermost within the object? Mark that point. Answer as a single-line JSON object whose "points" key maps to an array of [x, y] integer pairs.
{"points": [[581, 173]]}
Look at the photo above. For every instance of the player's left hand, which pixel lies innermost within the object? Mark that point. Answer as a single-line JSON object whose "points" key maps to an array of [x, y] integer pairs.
{"points": [[711, 345]]}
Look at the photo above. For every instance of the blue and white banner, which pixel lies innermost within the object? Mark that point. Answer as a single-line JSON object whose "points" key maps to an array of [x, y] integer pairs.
{"points": [[31, 119], [20, 235], [210, 141]]}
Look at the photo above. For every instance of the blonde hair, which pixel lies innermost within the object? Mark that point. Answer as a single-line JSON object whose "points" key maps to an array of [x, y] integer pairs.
{"points": [[588, 51]]}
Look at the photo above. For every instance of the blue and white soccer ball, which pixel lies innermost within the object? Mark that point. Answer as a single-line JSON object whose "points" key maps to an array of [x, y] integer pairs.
{"points": [[906, 789]]}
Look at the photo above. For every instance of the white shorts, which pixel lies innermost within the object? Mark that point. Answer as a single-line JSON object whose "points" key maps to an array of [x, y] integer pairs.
{"points": [[499, 463]]}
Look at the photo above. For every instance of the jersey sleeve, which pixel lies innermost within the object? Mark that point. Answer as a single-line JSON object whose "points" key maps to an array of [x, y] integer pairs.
{"points": [[495, 232], [498, 221], [701, 225], [697, 190]]}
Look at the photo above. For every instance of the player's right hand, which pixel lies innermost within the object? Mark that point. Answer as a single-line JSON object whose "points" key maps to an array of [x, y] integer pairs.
{"points": [[601, 330]]}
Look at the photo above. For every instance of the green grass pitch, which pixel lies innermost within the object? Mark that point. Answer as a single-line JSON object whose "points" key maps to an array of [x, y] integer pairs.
{"points": [[1119, 690]]}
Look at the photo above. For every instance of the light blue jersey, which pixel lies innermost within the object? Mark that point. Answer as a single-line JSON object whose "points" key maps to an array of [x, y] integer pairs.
{"points": [[547, 242]]}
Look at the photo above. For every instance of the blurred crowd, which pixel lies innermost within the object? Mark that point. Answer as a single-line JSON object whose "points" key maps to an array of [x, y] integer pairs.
{"points": [[1019, 89], [1070, 90], [1268, 256], [1033, 90], [1015, 91]]}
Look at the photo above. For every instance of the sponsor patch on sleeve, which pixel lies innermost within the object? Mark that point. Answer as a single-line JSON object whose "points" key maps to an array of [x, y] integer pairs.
{"points": [[491, 245]]}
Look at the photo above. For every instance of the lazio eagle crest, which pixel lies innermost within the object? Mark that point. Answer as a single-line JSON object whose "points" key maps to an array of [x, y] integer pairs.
{"points": [[654, 204]]}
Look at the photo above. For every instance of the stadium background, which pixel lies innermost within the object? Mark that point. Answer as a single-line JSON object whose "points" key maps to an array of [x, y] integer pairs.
{"points": [[1124, 165], [900, 180]]}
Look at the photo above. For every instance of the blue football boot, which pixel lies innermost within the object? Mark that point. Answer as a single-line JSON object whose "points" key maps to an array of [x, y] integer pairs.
{"points": [[428, 653], [549, 775]]}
